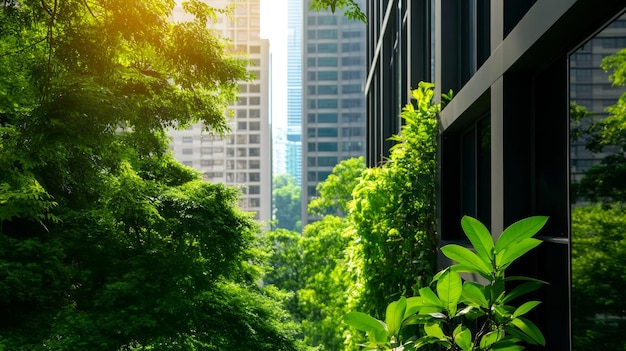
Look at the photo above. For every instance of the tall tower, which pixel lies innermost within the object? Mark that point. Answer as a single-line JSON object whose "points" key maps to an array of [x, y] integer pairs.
{"points": [[294, 89], [333, 123], [243, 157]]}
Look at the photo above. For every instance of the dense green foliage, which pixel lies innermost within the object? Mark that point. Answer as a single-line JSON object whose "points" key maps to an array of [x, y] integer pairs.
{"points": [[394, 210], [286, 202], [599, 252], [317, 266], [106, 242], [382, 247], [465, 315], [335, 193]]}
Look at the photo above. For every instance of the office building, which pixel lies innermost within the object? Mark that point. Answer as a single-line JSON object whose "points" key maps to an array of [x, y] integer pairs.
{"points": [[505, 148], [243, 157], [333, 117], [294, 88]]}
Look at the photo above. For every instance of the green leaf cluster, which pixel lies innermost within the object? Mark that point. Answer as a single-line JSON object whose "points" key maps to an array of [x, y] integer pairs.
{"points": [[321, 266], [286, 202], [599, 260], [465, 315], [394, 209]]}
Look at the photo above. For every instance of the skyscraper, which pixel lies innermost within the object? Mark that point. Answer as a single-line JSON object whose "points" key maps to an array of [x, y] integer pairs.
{"points": [[333, 123], [242, 157], [294, 89]]}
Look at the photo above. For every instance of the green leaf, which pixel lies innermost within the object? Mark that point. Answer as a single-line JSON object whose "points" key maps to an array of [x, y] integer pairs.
{"points": [[519, 230], [394, 315], [413, 305], [467, 258], [463, 337], [525, 308], [475, 293], [530, 329], [363, 321], [378, 336], [429, 298], [491, 338], [434, 330], [449, 289], [480, 238], [515, 251], [426, 340], [466, 310], [520, 290], [460, 268], [417, 319], [507, 347]]}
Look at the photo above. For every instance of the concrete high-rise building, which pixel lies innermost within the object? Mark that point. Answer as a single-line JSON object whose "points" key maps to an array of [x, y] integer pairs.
{"points": [[333, 76], [294, 88], [243, 157]]}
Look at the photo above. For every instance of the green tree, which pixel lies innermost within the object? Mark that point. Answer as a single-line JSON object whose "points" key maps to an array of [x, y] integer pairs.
{"points": [[326, 282], [316, 265], [287, 203], [335, 193], [394, 210], [107, 242], [285, 264]]}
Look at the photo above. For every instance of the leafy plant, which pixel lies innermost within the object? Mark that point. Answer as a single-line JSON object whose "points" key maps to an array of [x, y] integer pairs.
{"points": [[466, 315]]}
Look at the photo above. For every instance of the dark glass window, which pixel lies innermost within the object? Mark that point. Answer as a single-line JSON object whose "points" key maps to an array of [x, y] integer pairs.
{"points": [[327, 89], [327, 132], [327, 48], [597, 170], [327, 75], [327, 34], [327, 62], [332, 147], [327, 161], [327, 103], [327, 118]]}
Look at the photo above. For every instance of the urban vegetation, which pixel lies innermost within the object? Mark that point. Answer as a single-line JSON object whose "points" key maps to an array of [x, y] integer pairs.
{"points": [[465, 315], [108, 243], [381, 248]]}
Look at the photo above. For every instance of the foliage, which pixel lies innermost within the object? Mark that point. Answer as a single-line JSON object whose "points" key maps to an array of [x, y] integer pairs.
{"points": [[350, 7], [287, 202], [466, 315], [394, 209], [326, 282], [335, 193], [106, 242], [285, 262], [599, 248], [319, 266]]}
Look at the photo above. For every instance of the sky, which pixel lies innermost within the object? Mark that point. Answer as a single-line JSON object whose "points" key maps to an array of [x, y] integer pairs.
{"points": [[274, 28]]}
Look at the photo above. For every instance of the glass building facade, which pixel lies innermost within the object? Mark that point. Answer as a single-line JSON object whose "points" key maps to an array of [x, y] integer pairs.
{"points": [[514, 140], [294, 89]]}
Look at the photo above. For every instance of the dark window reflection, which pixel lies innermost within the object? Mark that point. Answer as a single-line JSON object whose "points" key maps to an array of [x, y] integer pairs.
{"points": [[598, 190]]}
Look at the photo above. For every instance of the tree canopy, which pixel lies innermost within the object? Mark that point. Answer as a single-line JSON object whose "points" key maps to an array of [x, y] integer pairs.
{"points": [[287, 202], [107, 242]]}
